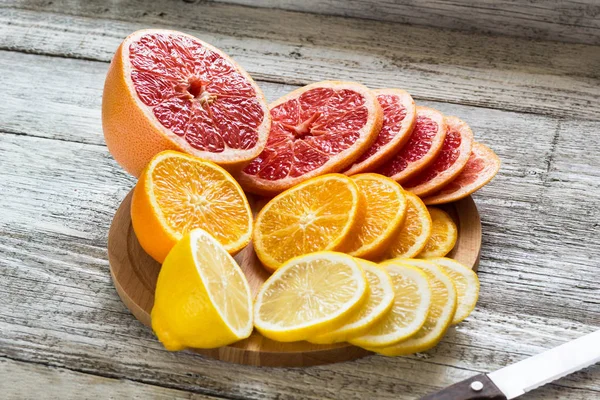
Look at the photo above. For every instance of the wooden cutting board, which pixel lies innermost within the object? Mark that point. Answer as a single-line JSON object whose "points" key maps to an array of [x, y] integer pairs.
{"points": [[135, 273]]}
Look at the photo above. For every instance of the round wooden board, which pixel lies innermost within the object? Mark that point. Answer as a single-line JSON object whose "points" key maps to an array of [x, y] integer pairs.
{"points": [[135, 273]]}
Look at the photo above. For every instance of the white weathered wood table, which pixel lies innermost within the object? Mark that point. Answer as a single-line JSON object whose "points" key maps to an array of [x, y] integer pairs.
{"points": [[65, 334]]}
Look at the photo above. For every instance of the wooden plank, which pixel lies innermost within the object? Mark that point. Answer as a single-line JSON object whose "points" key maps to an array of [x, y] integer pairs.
{"points": [[574, 21], [294, 48], [22, 380], [59, 306]]}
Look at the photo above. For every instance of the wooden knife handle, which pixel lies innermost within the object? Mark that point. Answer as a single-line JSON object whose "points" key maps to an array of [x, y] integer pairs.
{"points": [[469, 389]]}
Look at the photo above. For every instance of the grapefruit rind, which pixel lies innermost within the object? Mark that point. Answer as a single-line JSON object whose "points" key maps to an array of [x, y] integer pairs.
{"points": [[134, 135]]}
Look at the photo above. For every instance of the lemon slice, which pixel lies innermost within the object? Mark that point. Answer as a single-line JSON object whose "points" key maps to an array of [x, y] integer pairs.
{"points": [[202, 298], [377, 304], [441, 313], [412, 299], [310, 295], [466, 283]]}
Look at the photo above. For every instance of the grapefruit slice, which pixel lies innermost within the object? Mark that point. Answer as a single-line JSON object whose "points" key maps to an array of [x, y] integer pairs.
{"points": [[399, 117], [482, 166], [319, 128], [166, 90], [449, 163], [423, 146]]}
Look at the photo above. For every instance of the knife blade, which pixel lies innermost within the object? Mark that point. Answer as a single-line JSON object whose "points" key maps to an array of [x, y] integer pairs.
{"points": [[519, 378]]}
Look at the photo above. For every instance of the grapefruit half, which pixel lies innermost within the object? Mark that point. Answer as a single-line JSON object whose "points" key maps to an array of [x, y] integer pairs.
{"points": [[482, 166], [399, 117], [423, 146], [320, 128], [452, 159], [166, 90]]}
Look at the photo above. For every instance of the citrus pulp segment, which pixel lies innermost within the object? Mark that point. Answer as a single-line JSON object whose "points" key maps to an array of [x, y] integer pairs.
{"points": [[178, 192], [482, 166], [399, 117], [449, 162], [384, 210], [319, 214], [441, 313], [166, 90], [202, 298], [412, 299], [424, 144], [414, 231], [443, 234], [310, 295], [378, 302], [466, 282], [320, 128]]}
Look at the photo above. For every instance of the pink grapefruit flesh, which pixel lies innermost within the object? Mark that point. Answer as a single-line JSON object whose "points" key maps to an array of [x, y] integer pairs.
{"points": [[317, 129], [169, 90], [482, 166], [399, 117], [449, 162], [423, 146]]}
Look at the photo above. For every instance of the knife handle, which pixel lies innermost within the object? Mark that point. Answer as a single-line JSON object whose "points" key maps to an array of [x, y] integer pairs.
{"points": [[469, 389]]}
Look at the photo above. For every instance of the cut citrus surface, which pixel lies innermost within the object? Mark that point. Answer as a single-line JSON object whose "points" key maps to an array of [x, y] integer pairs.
{"points": [[423, 146], [451, 160], [379, 301], [202, 298], [439, 319], [166, 90], [412, 299], [385, 207], [178, 192], [319, 128], [443, 234], [319, 214], [399, 117], [414, 231], [466, 282], [482, 166], [310, 295]]}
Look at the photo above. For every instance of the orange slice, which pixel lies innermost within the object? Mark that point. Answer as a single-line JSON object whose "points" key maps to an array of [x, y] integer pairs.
{"points": [[448, 164], [166, 90], [422, 148], [317, 129], [482, 166], [319, 214], [177, 193], [414, 232], [399, 117], [443, 234], [384, 212]]}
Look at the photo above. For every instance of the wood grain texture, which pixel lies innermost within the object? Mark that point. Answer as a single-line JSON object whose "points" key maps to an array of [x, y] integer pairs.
{"points": [[134, 275], [573, 21], [294, 48], [22, 380]]}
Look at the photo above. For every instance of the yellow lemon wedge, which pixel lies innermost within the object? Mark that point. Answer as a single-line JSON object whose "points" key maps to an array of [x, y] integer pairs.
{"points": [[466, 283], [202, 298], [310, 295], [441, 313], [378, 303], [412, 299], [443, 234]]}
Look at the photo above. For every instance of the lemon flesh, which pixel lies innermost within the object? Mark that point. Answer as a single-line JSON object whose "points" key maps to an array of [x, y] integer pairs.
{"points": [[310, 295], [202, 298]]}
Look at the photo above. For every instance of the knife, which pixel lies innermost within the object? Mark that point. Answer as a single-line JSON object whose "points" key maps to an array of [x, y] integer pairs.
{"points": [[533, 372]]}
